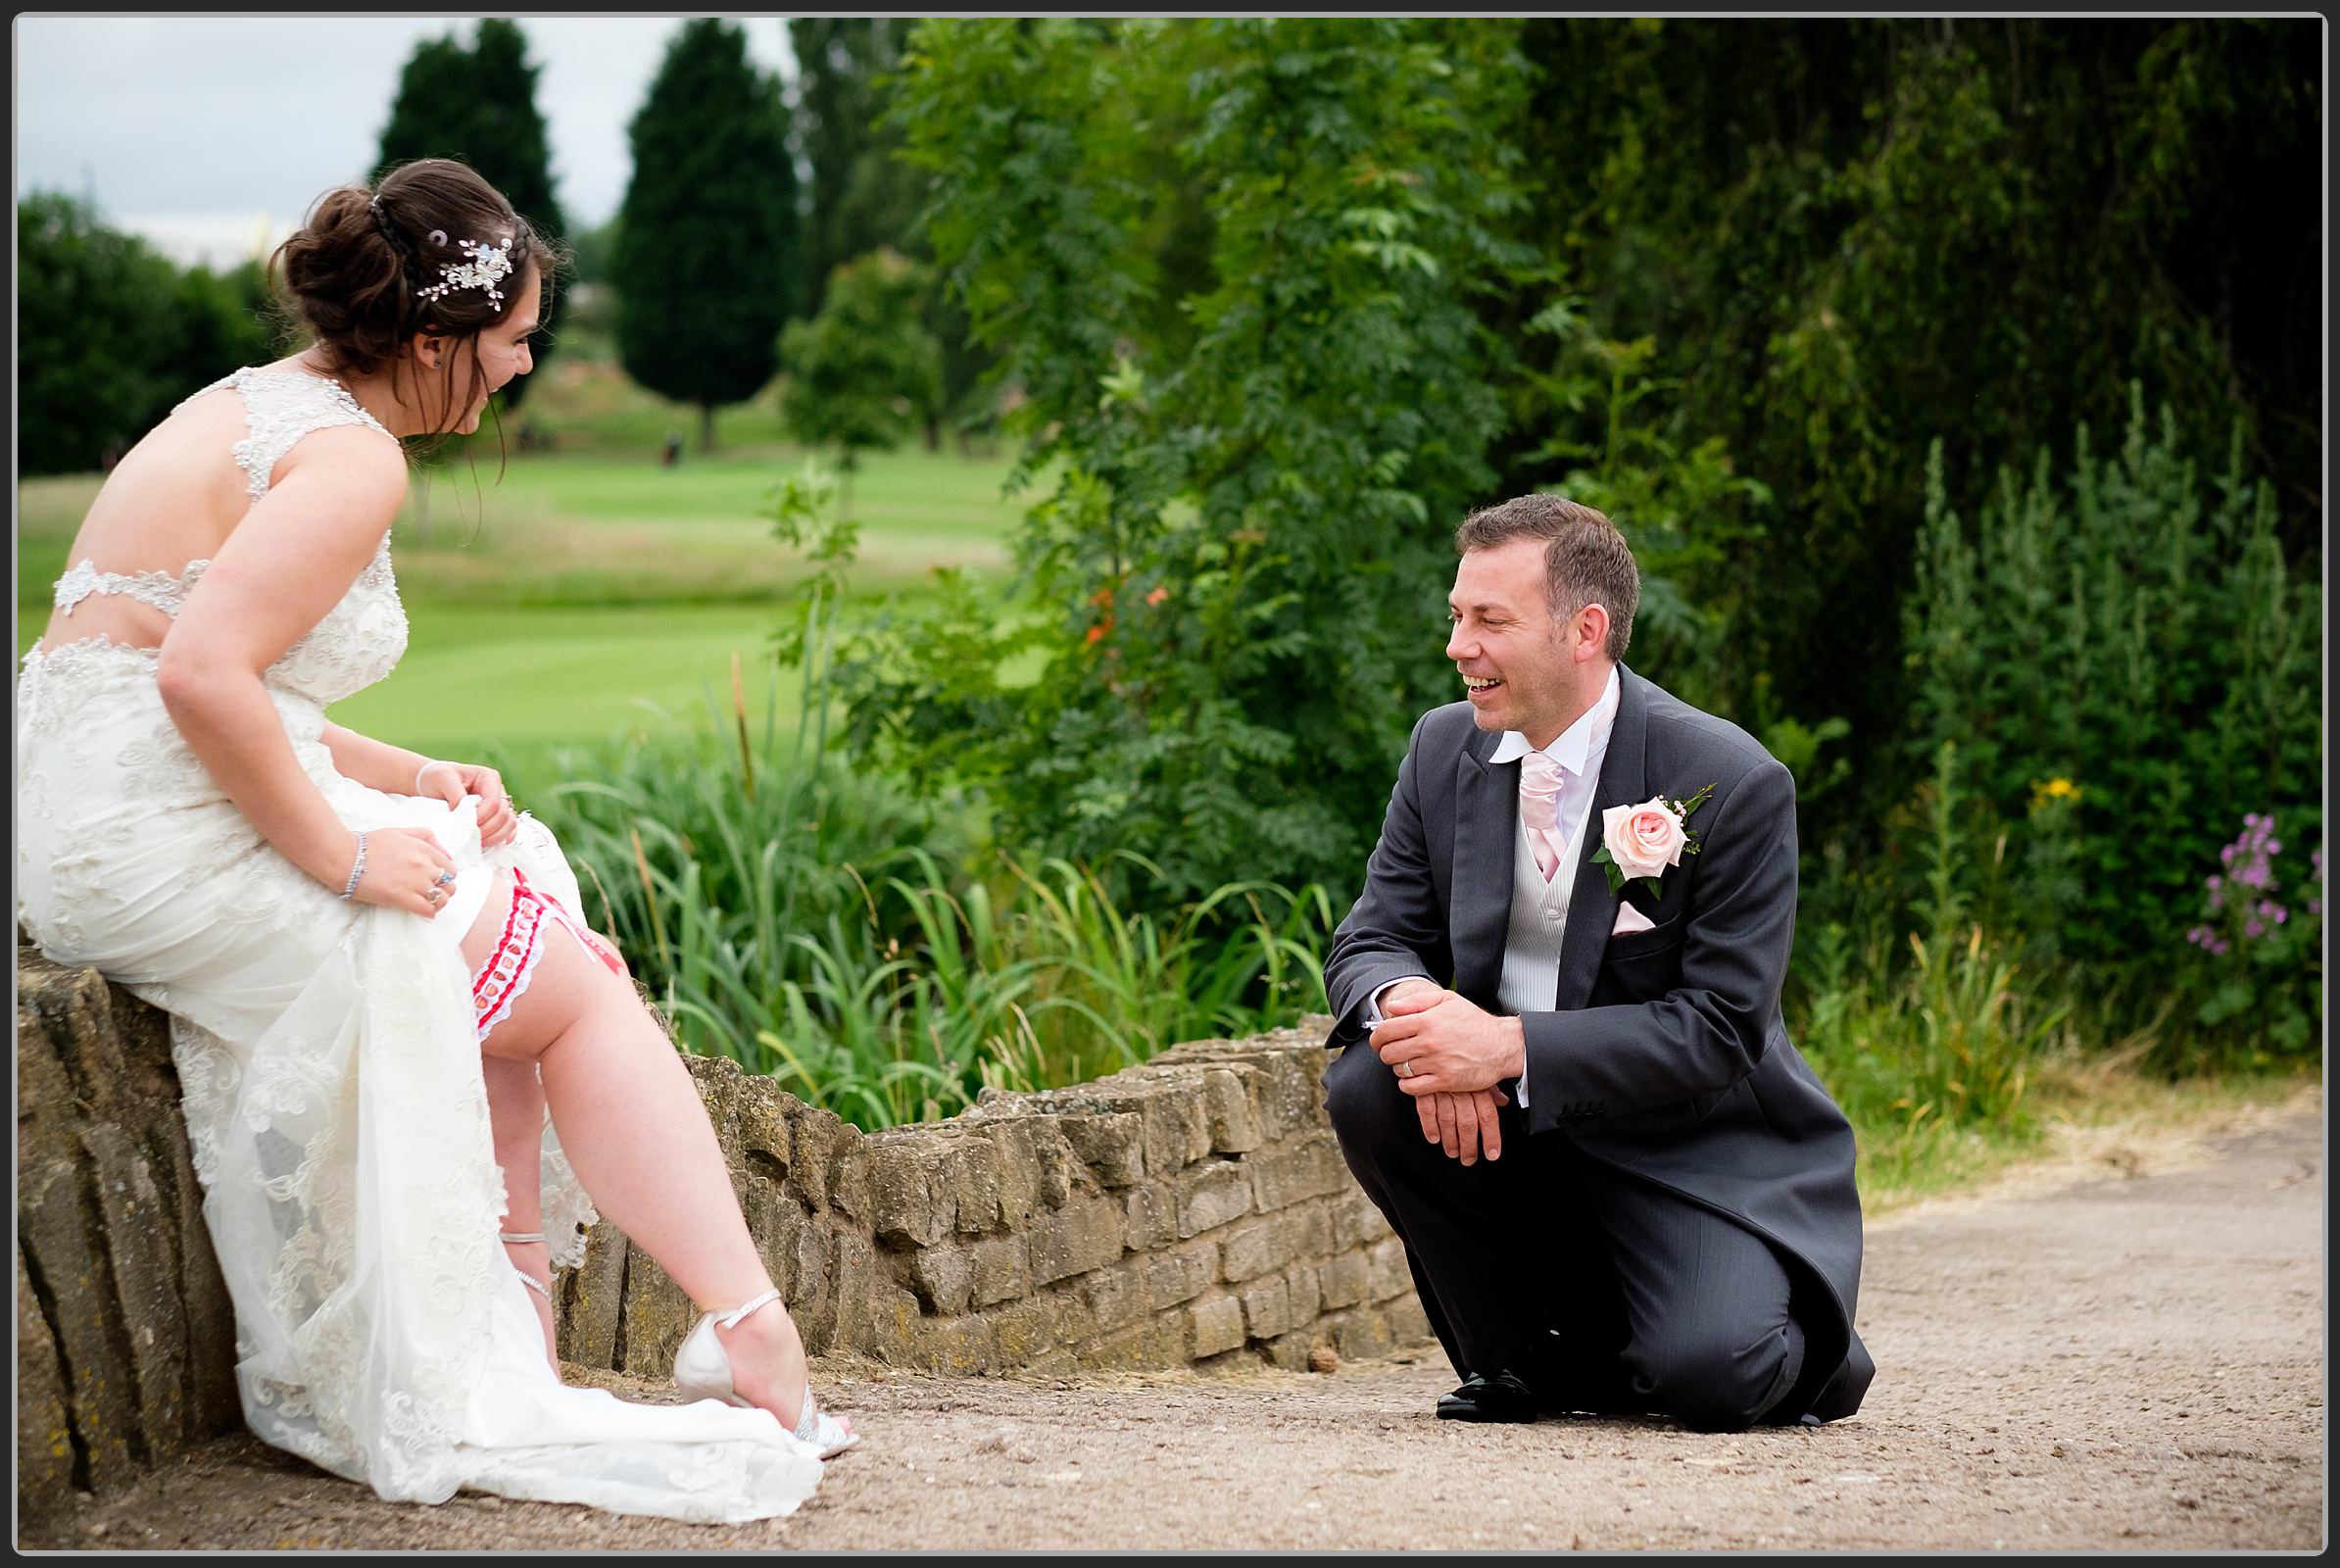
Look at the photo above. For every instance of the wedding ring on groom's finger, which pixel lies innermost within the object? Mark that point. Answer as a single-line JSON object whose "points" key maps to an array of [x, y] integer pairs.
{"points": [[1405, 1068]]}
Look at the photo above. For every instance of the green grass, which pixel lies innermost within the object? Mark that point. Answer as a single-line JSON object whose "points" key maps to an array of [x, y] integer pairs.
{"points": [[476, 678], [587, 595]]}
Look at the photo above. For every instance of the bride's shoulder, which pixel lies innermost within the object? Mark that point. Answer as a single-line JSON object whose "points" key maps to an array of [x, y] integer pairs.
{"points": [[353, 458]]}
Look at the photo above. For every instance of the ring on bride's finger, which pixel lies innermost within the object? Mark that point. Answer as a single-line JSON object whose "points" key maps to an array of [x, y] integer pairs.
{"points": [[437, 896], [445, 878]]}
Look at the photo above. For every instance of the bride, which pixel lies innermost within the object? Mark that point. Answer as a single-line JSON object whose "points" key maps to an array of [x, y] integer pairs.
{"points": [[378, 979]]}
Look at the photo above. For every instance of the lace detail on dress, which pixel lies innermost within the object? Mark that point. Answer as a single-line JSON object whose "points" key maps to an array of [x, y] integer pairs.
{"points": [[282, 406], [166, 591], [362, 638]]}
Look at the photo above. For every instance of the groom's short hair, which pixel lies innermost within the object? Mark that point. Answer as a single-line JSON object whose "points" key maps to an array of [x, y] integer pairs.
{"points": [[1585, 557]]}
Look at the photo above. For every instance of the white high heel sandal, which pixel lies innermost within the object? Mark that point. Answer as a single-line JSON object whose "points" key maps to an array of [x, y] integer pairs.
{"points": [[522, 1239], [702, 1371]]}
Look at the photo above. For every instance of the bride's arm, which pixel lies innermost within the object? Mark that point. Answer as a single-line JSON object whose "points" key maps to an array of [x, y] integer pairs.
{"points": [[377, 765], [282, 568]]}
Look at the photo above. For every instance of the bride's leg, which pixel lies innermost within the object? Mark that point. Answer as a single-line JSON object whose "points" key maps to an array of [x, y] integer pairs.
{"points": [[517, 1120], [634, 1130]]}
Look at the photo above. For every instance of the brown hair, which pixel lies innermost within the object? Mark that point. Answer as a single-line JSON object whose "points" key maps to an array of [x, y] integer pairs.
{"points": [[1586, 558], [353, 275]]}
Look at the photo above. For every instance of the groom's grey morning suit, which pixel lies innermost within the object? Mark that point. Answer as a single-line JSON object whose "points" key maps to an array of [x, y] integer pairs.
{"points": [[1678, 1229]]}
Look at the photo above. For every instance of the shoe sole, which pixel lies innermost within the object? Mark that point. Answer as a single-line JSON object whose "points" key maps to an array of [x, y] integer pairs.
{"points": [[1486, 1418]]}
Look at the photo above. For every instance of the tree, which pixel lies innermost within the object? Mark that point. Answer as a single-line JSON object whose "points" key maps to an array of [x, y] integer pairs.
{"points": [[478, 105], [861, 195], [1245, 526], [864, 369], [707, 250], [1829, 242], [222, 319], [91, 343]]}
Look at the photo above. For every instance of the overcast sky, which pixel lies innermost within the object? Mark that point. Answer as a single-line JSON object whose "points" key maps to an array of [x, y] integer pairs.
{"points": [[200, 131]]}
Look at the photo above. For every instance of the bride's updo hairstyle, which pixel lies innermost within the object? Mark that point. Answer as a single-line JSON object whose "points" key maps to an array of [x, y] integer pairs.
{"points": [[369, 270]]}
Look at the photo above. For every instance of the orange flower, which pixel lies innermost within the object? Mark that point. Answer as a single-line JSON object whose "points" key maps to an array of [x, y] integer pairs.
{"points": [[1097, 633], [1157, 595]]}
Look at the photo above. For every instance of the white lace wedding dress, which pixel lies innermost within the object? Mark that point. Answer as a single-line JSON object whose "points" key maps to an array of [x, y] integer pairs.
{"points": [[330, 1059]]}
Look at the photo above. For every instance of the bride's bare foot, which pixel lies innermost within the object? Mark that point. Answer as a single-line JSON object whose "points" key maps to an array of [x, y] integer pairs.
{"points": [[769, 1367]]}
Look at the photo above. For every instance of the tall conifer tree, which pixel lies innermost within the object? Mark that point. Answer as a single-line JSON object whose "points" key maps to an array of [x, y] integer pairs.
{"points": [[707, 255], [477, 104]]}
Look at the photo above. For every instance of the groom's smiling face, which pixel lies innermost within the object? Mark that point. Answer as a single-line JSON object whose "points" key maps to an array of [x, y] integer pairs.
{"points": [[1515, 655]]}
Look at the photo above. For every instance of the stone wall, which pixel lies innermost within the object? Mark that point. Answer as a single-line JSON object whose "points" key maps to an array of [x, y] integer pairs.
{"points": [[126, 1341], [1191, 1211]]}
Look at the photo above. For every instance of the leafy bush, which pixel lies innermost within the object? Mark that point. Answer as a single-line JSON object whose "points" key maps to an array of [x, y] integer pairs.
{"points": [[2128, 664], [865, 368], [1240, 561]]}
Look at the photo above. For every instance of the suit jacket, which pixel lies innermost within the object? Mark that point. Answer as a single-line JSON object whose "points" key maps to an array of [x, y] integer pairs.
{"points": [[1663, 1054]]}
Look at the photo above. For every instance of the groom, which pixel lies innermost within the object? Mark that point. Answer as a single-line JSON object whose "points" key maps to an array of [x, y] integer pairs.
{"points": [[1620, 1188]]}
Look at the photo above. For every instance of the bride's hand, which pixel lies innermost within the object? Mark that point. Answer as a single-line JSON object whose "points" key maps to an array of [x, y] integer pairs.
{"points": [[452, 781], [404, 867]]}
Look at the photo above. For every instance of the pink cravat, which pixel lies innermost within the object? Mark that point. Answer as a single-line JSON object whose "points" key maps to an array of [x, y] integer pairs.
{"points": [[1539, 809]]}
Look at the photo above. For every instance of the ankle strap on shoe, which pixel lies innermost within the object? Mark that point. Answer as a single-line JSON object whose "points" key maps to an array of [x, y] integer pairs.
{"points": [[518, 1238], [731, 1319]]}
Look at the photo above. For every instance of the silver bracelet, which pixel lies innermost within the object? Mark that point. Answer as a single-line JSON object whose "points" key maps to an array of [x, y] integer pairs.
{"points": [[358, 869], [424, 769]]}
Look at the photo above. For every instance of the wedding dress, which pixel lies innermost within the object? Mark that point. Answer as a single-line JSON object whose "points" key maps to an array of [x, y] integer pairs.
{"points": [[330, 1061]]}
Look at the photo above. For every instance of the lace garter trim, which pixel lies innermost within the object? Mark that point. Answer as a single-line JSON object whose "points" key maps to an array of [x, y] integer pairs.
{"points": [[503, 978]]}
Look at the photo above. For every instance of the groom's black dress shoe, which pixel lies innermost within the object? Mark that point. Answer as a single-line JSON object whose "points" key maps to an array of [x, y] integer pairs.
{"points": [[1501, 1397]]}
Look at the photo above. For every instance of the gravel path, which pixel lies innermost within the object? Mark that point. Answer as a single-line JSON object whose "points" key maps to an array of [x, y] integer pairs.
{"points": [[2132, 1362]]}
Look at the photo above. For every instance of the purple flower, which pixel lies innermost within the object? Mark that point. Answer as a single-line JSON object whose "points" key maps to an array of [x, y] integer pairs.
{"points": [[2251, 819], [2253, 929], [2282, 914], [2213, 882], [2316, 906], [2218, 947], [2274, 846], [2226, 856]]}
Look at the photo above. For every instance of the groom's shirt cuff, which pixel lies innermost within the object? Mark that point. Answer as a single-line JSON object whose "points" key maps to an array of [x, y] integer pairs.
{"points": [[1373, 1002]]}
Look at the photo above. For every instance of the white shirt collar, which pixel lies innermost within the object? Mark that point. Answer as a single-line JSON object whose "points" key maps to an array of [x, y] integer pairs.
{"points": [[1575, 744]]}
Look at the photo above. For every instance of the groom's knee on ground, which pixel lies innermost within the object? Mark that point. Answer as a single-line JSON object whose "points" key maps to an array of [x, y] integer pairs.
{"points": [[1716, 1379]]}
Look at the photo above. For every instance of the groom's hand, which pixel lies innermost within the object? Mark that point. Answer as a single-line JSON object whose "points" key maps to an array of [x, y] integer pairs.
{"points": [[1465, 1124], [1438, 1042]]}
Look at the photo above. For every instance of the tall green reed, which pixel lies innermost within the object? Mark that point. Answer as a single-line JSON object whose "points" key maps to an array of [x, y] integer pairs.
{"points": [[1923, 1052], [825, 927]]}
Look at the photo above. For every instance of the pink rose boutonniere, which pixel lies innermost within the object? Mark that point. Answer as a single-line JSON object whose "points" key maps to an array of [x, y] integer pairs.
{"points": [[1640, 842]]}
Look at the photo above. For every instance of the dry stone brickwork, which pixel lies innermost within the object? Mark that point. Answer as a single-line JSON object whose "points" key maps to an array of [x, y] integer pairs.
{"points": [[1193, 1210], [125, 1340]]}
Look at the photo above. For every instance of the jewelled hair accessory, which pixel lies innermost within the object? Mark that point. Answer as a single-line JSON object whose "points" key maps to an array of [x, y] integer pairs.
{"points": [[489, 264]]}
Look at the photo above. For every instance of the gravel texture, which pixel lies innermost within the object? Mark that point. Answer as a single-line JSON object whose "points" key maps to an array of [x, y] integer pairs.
{"points": [[2131, 1360]]}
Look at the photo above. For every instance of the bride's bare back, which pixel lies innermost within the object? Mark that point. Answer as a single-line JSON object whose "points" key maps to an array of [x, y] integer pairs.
{"points": [[172, 500]]}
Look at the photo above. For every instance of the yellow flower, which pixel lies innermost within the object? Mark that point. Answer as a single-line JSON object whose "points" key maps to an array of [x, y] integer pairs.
{"points": [[2055, 789]]}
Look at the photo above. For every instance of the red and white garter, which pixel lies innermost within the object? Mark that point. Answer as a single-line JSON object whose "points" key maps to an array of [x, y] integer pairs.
{"points": [[505, 975]]}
